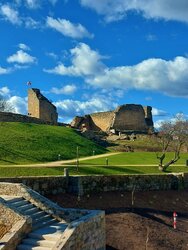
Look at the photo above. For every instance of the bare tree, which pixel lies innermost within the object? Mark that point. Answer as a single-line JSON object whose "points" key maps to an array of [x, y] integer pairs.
{"points": [[5, 105], [172, 136]]}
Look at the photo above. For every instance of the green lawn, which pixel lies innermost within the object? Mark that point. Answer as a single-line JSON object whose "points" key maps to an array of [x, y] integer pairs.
{"points": [[85, 170], [22, 143], [133, 158]]}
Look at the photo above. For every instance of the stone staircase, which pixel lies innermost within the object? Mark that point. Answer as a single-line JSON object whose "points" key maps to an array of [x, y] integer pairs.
{"points": [[46, 230]]}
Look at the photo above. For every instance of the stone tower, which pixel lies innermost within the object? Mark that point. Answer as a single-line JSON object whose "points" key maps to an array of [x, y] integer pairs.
{"points": [[40, 107]]}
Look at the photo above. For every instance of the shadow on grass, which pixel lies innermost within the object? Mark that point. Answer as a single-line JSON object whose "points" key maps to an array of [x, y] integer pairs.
{"points": [[12, 162], [18, 154], [110, 170]]}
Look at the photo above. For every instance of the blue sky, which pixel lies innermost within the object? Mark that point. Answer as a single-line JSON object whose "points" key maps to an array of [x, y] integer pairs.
{"points": [[89, 56]]}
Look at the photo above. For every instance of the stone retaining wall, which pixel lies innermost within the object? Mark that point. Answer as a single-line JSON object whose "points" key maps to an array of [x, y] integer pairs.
{"points": [[44, 184], [13, 117], [91, 184]]}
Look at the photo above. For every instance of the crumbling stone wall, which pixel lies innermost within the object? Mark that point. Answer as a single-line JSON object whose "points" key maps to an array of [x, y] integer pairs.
{"points": [[148, 115], [13, 117], [128, 117], [40, 107], [103, 120]]}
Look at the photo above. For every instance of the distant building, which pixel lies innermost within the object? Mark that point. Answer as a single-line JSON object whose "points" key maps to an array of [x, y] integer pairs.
{"points": [[126, 118], [40, 107]]}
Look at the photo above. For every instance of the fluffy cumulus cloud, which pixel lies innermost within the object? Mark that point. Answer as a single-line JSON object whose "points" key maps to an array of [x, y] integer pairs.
{"points": [[169, 77], [21, 57], [85, 62], [67, 28], [70, 108], [156, 9], [10, 14], [66, 90], [18, 104]]}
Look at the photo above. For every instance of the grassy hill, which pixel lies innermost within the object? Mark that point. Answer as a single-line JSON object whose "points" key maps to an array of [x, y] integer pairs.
{"points": [[31, 143]]}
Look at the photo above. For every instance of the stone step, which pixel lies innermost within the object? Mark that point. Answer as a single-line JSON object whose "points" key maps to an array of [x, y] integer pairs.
{"points": [[20, 203], [52, 232], [50, 237], [27, 247], [36, 242], [44, 223], [42, 218], [31, 211], [38, 214], [26, 207]]}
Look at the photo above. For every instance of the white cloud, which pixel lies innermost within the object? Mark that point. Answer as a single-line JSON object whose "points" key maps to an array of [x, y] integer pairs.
{"points": [[23, 46], [10, 14], [85, 62], [66, 90], [21, 57], [67, 28], [155, 74], [158, 112], [70, 108], [19, 104], [5, 71], [4, 91], [155, 9], [32, 4], [30, 23], [52, 55]]}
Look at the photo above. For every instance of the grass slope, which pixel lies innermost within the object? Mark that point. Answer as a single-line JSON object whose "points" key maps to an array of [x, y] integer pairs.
{"points": [[22, 143]]}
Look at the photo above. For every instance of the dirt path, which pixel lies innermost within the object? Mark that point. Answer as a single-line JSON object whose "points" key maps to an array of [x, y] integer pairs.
{"points": [[63, 162]]}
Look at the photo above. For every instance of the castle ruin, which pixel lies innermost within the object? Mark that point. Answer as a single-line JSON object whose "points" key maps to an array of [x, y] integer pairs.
{"points": [[40, 107], [127, 118]]}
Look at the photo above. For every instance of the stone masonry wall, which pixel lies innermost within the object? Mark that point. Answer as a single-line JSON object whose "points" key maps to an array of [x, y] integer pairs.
{"points": [[130, 117], [85, 234], [39, 106], [90, 184], [13, 117], [102, 120], [44, 185], [33, 104], [126, 118]]}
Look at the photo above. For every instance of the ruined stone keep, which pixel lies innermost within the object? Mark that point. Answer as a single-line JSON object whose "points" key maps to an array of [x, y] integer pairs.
{"points": [[40, 107], [125, 118]]}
